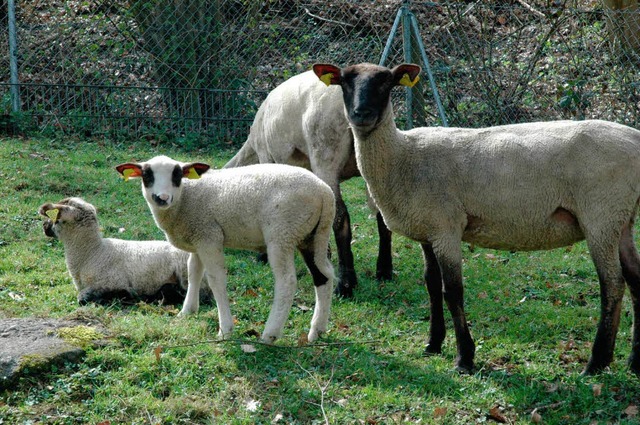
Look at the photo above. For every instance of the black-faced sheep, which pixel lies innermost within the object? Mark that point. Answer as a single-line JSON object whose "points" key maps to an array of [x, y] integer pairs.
{"points": [[515, 187], [272, 208], [302, 123], [105, 269]]}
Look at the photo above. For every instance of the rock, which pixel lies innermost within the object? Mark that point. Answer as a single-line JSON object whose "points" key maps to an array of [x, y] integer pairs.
{"points": [[30, 345]]}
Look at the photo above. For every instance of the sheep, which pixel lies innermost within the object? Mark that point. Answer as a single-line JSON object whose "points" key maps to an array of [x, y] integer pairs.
{"points": [[302, 123], [105, 269], [272, 208], [532, 186]]}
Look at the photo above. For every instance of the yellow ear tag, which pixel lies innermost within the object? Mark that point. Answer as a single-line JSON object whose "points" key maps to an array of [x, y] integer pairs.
{"points": [[52, 214], [326, 78], [406, 81], [193, 174], [127, 173]]}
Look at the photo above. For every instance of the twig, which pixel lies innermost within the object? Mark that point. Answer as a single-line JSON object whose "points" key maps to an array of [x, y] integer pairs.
{"points": [[322, 389], [327, 20], [532, 9]]}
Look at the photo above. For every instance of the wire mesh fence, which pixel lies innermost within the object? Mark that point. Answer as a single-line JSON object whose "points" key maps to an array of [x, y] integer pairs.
{"points": [[195, 71]]}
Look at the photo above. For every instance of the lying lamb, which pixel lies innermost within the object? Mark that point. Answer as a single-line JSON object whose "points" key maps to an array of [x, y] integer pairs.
{"points": [[272, 208], [516, 187], [105, 269]]}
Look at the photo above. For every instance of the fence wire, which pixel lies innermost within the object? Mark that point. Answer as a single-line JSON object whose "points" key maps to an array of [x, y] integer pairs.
{"points": [[195, 71]]}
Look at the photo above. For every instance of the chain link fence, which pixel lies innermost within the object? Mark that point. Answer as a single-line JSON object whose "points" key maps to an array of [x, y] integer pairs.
{"points": [[195, 71]]}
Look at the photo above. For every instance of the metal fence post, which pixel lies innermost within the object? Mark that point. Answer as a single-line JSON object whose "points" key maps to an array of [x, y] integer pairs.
{"points": [[13, 57]]}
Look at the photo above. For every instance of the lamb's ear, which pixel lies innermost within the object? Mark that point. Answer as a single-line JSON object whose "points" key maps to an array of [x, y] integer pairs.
{"points": [[194, 170], [129, 170], [406, 74], [328, 74], [49, 210]]}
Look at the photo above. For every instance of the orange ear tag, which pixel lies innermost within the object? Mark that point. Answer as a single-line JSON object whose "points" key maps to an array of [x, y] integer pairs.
{"points": [[326, 78], [192, 174], [127, 173], [53, 214], [406, 81]]}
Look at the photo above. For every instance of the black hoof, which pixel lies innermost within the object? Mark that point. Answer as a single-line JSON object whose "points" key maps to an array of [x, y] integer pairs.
{"points": [[344, 291], [384, 275], [432, 350]]}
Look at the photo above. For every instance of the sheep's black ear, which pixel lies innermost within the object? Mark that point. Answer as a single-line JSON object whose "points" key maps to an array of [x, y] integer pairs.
{"points": [[406, 74], [328, 74], [129, 170], [194, 170]]}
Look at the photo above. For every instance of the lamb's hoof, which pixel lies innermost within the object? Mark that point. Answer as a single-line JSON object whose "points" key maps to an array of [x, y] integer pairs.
{"points": [[268, 339], [384, 275], [464, 370], [187, 312], [595, 365], [344, 289]]}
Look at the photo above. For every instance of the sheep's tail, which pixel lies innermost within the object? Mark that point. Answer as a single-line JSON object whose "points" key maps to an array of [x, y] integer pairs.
{"points": [[245, 156]]}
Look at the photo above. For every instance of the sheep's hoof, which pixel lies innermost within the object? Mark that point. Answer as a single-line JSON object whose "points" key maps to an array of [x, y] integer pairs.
{"points": [[268, 339], [432, 350], [464, 370], [634, 364], [595, 365], [344, 290], [186, 312]]}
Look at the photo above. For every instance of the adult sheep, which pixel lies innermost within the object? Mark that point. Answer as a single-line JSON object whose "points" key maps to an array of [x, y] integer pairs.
{"points": [[106, 269], [302, 123], [272, 208], [515, 187]]}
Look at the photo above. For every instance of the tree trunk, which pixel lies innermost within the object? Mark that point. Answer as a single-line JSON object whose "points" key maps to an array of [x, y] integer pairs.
{"points": [[623, 25]]}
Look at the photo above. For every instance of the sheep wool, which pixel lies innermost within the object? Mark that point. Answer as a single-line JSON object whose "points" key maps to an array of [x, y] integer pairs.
{"points": [[525, 187]]}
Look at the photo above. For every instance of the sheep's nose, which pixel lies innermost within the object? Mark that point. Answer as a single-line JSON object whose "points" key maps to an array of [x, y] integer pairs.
{"points": [[161, 200]]}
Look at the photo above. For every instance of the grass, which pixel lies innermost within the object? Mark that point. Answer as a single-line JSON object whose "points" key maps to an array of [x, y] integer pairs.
{"points": [[533, 317]]}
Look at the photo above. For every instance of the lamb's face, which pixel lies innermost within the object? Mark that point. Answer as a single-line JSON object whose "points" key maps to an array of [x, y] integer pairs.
{"points": [[64, 217], [366, 89], [162, 179]]}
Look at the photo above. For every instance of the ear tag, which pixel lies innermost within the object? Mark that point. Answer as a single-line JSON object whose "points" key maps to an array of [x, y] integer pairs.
{"points": [[192, 174], [127, 173], [406, 80], [53, 214], [326, 78]]}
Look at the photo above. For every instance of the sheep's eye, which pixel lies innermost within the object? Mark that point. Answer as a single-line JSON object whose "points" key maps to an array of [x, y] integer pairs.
{"points": [[147, 176]]}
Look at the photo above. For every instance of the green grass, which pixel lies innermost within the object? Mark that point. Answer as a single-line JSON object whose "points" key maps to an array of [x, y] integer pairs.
{"points": [[533, 317]]}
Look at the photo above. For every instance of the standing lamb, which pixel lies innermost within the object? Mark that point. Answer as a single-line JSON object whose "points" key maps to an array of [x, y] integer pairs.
{"points": [[515, 187], [272, 208], [104, 269], [302, 123]]}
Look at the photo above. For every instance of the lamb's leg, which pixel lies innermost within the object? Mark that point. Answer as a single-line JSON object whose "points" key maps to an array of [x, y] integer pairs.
{"points": [[195, 272], [384, 266], [283, 267], [630, 261], [433, 281], [607, 261], [449, 255], [213, 260], [323, 283]]}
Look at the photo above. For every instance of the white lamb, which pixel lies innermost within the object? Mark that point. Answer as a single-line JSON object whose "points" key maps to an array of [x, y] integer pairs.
{"points": [[302, 123], [515, 187], [104, 269], [272, 208]]}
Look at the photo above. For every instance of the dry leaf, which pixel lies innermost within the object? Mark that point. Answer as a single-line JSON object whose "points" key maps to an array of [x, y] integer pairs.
{"points": [[251, 293], [303, 339], [248, 348], [483, 295], [158, 351], [439, 412], [304, 307], [497, 415], [597, 390], [631, 411], [535, 417]]}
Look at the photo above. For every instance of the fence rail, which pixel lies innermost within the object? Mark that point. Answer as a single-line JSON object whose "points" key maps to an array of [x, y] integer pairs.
{"points": [[196, 71]]}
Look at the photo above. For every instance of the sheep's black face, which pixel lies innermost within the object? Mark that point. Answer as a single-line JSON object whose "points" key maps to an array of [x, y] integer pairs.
{"points": [[366, 91]]}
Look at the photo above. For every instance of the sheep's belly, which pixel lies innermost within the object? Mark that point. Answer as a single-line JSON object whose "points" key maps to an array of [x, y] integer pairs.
{"points": [[556, 231]]}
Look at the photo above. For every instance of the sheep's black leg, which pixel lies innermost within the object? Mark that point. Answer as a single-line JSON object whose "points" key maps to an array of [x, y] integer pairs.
{"points": [[449, 256], [611, 293], [384, 267], [433, 282], [342, 231], [630, 261]]}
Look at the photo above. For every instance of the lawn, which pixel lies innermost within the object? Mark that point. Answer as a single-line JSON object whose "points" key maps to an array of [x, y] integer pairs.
{"points": [[533, 317]]}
